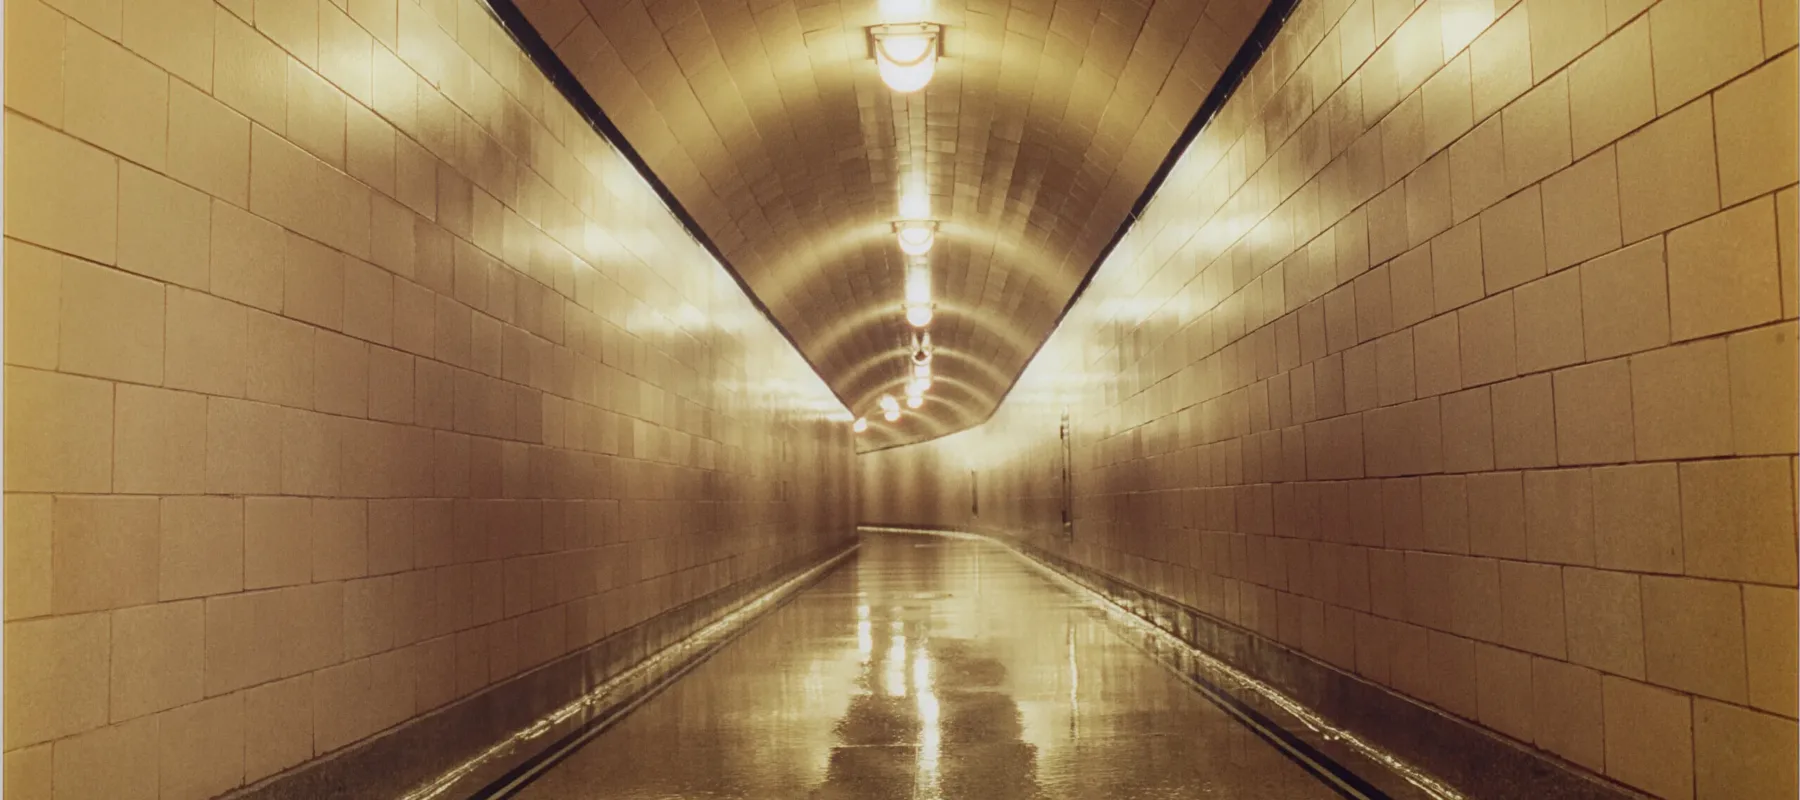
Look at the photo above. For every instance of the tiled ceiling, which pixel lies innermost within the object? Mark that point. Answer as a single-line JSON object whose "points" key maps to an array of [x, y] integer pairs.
{"points": [[767, 121]]}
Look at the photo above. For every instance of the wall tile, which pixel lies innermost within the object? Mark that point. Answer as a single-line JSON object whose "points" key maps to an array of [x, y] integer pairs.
{"points": [[56, 677], [1769, 635], [103, 553], [63, 194], [1694, 636], [1535, 128], [114, 99], [1762, 390], [1741, 753], [1680, 401], [201, 550], [52, 443], [108, 762], [1625, 301], [1548, 319], [1581, 211], [1737, 519], [159, 441], [1568, 712], [207, 341], [1722, 272], [202, 748], [1610, 91], [243, 447], [1649, 738], [249, 72], [1532, 608], [34, 61], [1668, 172], [1593, 413], [1698, 45], [156, 658], [1637, 518], [1606, 621]]}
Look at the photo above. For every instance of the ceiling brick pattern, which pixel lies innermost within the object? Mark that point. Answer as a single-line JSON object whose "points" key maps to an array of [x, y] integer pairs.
{"points": [[767, 121]]}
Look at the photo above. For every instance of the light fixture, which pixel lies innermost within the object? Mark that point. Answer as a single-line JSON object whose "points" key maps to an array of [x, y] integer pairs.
{"points": [[918, 315], [888, 403], [891, 416], [922, 370], [861, 424], [906, 54], [915, 400], [916, 236]]}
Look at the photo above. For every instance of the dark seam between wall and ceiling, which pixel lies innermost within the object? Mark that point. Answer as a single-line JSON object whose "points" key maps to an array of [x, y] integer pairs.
{"points": [[507, 13]]}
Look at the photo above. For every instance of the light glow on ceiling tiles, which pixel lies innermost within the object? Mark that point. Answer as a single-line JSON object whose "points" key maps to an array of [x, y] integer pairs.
{"points": [[916, 236], [906, 55], [915, 202]]}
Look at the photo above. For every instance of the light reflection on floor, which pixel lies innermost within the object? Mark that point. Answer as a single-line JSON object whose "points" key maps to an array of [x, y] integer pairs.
{"points": [[929, 668]]}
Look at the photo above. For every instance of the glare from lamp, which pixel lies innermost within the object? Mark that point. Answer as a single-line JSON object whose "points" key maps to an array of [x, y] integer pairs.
{"points": [[892, 415], [914, 401], [916, 238], [918, 315], [861, 424], [906, 56], [888, 403], [915, 202], [918, 282]]}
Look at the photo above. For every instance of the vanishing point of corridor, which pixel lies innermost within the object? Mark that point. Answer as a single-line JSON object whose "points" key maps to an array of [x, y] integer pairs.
{"points": [[931, 667]]}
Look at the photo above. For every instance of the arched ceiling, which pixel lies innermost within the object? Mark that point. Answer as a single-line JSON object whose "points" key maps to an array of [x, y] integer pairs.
{"points": [[768, 123]]}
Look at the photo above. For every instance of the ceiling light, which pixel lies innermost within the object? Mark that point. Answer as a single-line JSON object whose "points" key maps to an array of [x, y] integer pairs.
{"points": [[906, 55], [861, 424], [888, 403], [922, 370], [892, 415], [918, 281], [916, 236], [914, 401], [918, 315]]}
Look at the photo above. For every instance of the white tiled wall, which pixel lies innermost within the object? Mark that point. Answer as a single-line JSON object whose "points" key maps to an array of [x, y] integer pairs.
{"points": [[348, 372], [1458, 353]]}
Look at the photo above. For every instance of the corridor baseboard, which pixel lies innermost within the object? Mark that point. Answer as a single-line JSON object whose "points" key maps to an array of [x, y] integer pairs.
{"points": [[1459, 754], [458, 749]]}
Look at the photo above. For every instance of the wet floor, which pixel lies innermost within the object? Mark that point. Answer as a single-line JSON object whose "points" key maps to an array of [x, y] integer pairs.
{"points": [[929, 667]]}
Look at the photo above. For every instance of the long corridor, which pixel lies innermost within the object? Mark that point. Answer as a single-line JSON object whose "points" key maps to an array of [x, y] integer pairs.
{"points": [[934, 667]]}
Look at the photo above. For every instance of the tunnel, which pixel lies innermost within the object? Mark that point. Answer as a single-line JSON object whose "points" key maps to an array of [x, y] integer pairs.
{"points": [[910, 399]]}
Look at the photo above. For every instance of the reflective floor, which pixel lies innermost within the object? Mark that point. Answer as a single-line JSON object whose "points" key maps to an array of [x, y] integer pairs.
{"points": [[929, 667]]}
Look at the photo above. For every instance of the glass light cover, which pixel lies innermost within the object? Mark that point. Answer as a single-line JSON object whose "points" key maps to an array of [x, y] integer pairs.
{"points": [[916, 238], [906, 56], [918, 315]]}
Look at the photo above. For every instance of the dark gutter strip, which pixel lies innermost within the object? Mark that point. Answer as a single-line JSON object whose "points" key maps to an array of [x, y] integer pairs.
{"points": [[1254, 45], [544, 56]]}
